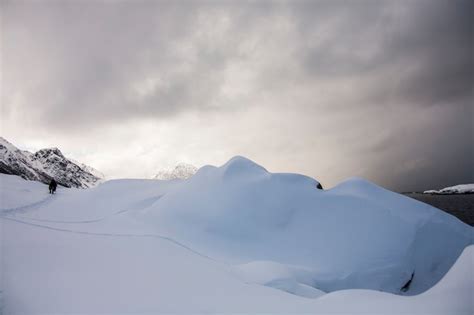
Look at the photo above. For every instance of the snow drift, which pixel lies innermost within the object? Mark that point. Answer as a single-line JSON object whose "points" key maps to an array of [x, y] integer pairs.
{"points": [[355, 235]]}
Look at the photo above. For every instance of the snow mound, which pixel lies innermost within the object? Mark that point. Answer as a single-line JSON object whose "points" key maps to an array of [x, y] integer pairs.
{"points": [[355, 235]]}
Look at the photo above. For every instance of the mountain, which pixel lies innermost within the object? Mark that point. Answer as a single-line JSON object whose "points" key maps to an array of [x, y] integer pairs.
{"points": [[458, 189], [180, 171], [16, 162], [46, 164], [89, 169]]}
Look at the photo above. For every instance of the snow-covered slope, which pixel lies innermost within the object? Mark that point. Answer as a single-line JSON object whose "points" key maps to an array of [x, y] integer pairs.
{"points": [[453, 295], [94, 244], [458, 189], [355, 235], [231, 239], [180, 171], [44, 165]]}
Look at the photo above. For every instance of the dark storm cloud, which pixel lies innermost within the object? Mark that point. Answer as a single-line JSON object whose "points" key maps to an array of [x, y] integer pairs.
{"points": [[426, 43], [95, 51], [441, 52], [385, 85]]}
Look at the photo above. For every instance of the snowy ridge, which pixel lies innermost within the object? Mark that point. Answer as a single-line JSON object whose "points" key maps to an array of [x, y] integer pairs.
{"points": [[458, 189], [180, 171], [44, 165]]}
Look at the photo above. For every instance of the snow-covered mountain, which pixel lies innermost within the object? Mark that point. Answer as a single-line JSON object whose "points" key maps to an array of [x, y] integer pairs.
{"points": [[17, 162], [46, 164], [458, 189], [89, 169], [180, 171]]}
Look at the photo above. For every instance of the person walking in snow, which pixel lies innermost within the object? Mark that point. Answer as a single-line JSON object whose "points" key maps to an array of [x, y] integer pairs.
{"points": [[52, 186]]}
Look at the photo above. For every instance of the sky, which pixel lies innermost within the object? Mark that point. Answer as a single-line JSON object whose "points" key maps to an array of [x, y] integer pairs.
{"points": [[329, 89]]}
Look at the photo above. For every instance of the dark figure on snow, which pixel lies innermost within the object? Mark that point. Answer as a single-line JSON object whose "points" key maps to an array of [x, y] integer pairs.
{"points": [[52, 186]]}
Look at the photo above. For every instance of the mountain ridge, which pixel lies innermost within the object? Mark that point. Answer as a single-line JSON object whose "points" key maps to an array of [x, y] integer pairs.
{"points": [[46, 164], [453, 190]]}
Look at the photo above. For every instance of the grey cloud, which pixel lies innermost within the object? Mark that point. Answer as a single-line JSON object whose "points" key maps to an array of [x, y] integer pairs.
{"points": [[422, 47], [98, 50], [367, 76], [95, 52]]}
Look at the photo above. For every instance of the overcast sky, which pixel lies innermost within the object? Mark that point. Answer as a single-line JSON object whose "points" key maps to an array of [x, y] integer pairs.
{"points": [[330, 89]]}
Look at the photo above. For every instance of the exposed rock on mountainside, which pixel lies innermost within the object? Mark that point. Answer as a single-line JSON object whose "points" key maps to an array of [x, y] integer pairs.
{"points": [[44, 165]]}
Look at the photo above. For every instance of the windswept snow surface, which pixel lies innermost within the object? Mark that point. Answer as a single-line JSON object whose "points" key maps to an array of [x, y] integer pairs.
{"points": [[231, 239]]}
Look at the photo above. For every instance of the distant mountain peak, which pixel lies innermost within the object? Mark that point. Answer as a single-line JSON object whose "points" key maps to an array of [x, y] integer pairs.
{"points": [[458, 189], [180, 171]]}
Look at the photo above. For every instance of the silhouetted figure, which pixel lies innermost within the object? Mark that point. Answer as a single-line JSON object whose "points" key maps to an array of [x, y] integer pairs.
{"points": [[52, 186]]}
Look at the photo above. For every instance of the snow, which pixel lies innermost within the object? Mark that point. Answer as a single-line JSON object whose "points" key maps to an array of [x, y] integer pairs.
{"points": [[458, 189], [91, 170], [15, 192], [241, 213], [231, 239], [180, 171], [454, 294], [291, 279]]}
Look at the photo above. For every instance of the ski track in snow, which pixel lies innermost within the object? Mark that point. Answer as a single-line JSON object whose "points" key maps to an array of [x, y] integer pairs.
{"points": [[10, 214], [6, 214], [80, 221], [20, 209], [47, 200]]}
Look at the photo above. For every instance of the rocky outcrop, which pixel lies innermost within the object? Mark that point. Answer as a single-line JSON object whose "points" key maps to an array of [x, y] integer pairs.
{"points": [[44, 165]]}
